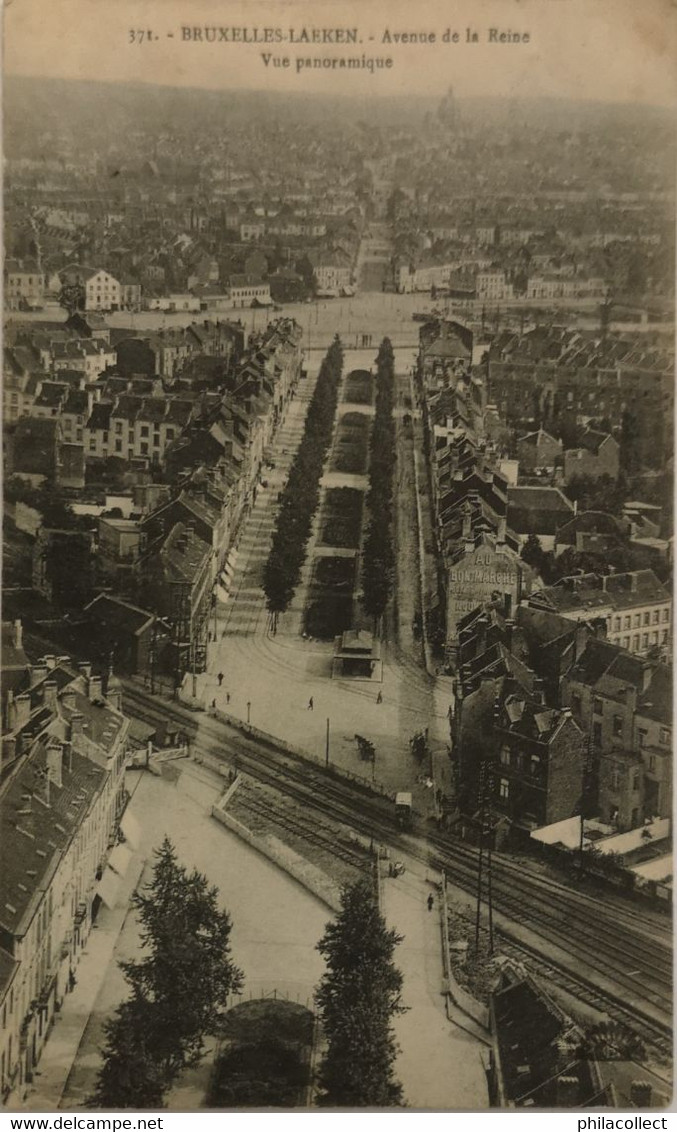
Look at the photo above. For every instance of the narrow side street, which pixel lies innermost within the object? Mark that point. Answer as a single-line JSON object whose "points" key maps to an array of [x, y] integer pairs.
{"points": [[439, 1065]]}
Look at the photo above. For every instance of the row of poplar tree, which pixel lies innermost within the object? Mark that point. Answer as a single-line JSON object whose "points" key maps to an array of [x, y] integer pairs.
{"points": [[181, 986], [377, 555], [301, 494]]}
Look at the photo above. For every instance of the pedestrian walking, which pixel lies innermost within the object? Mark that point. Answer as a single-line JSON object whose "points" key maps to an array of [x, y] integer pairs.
{"points": [[220, 678], [227, 697], [431, 901], [379, 698], [310, 704], [213, 705]]}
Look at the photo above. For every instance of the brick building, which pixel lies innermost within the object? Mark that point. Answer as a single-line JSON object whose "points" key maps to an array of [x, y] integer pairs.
{"points": [[624, 705]]}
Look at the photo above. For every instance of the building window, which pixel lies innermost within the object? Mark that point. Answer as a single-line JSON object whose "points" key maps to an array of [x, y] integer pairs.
{"points": [[642, 736], [615, 779], [597, 706], [503, 788], [144, 430], [635, 781], [118, 427], [626, 623], [656, 616], [647, 618], [597, 734], [118, 446], [645, 640], [144, 449], [666, 614], [505, 756], [665, 736], [617, 624], [635, 641], [626, 642], [638, 621], [618, 725], [652, 762]]}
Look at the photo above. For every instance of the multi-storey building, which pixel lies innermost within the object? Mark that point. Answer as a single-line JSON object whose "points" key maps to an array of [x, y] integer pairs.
{"points": [[61, 805], [636, 607], [624, 705], [24, 285]]}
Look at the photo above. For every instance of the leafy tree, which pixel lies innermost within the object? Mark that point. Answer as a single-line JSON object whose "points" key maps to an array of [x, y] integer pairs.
{"points": [[302, 491], [630, 457], [532, 553], [72, 296], [180, 986], [378, 555], [131, 1076], [358, 997]]}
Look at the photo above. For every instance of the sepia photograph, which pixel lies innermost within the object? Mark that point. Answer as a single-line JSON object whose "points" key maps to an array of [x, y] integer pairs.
{"points": [[338, 429]]}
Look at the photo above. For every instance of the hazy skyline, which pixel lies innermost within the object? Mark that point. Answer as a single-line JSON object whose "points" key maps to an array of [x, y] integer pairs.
{"points": [[602, 50]]}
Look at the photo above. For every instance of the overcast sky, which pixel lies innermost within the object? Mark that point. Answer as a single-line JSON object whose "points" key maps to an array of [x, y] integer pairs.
{"points": [[612, 50]]}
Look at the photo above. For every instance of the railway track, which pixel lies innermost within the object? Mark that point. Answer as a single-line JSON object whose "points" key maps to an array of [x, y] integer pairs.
{"points": [[625, 953], [324, 839]]}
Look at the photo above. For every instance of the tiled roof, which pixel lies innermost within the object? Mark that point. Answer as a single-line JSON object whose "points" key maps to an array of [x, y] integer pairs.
{"points": [[32, 832]]}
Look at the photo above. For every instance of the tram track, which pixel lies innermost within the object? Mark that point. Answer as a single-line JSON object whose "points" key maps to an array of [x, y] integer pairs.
{"points": [[625, 953]]}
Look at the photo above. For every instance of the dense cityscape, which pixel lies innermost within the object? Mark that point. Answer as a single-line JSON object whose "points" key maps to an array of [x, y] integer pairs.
{"points": [[337, 601]]}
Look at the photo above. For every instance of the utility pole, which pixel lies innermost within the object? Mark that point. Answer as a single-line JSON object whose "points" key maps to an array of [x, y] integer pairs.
{"points": [[326, 747], [193, 650], [486, 839], [585, 777]]}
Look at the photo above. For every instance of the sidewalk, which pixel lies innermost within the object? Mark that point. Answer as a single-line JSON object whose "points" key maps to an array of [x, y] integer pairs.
{"points": [[439, 1065], [59, 1054]]}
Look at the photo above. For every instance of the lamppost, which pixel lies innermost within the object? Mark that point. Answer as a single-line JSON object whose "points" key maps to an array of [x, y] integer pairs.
{"points": [[249, 708], [326, 747]]}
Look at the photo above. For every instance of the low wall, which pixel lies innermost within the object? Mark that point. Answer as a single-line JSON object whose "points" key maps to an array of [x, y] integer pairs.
{"points": [[307, 874], [460, 997]]}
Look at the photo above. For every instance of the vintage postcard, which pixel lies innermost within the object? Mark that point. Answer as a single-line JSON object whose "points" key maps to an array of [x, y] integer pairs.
{"points": [[337, 618]]}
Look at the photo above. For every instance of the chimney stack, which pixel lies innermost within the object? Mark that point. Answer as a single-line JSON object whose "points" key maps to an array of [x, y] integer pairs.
{"points": [[50, 661], [68, 699], [85, 668], [22, 704], [509, 628], [500, 534], [18, 635], [55, 763], [94, 688], [76, 724], [567, 1090], [51, 688], [640, 1094], [539, 694], [38, 673], [647, 673]]}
